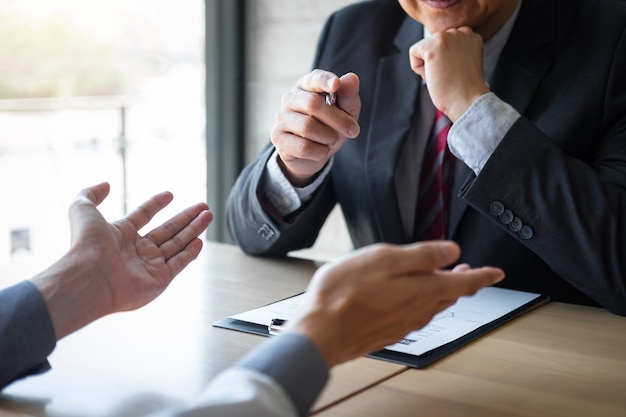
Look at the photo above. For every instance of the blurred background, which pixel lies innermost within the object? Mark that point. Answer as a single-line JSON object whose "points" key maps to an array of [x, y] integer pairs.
{"points": [[152, 95]]}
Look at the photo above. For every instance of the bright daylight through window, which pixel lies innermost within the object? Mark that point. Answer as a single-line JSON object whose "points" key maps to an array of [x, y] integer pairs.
{"points": [[92, 91]]}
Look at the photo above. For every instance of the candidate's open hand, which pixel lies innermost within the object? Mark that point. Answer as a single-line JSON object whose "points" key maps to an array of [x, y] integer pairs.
{"points": [[307, 131], [377, 295], [110, 267]]}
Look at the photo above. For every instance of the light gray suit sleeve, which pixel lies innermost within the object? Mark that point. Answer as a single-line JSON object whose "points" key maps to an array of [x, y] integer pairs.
{"points": [[26, 333], [282, 377]]}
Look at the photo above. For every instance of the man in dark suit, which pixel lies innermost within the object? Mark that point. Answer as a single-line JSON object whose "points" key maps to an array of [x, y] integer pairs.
{"points": [[536, 91]]}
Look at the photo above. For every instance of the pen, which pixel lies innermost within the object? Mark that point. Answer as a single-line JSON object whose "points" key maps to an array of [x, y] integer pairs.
{"points": [[331, 98], [276, 326]]}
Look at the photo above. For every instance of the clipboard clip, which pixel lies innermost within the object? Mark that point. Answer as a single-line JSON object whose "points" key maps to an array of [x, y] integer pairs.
{"points": [[276, 326]]}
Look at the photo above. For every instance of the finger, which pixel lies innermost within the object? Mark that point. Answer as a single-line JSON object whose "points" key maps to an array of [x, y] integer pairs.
{"points": [[314, 105], [386, 261], [440, 292], [306, 127], [427, 256], [319, 81], [181, 240], [183, 258], [292, 147], [178, 223], [416, 57], [178, 242], [142, 215], [468, 31], [400, 260], [464, 283], [462, 267]]}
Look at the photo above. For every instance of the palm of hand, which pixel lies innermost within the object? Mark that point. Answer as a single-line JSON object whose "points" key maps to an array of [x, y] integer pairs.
{"points": [[136, 265]]}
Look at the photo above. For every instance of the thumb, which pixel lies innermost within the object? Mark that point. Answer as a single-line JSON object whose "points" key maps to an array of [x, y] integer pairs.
{"points": [[348, 98], [82, 210], [94, 194]]}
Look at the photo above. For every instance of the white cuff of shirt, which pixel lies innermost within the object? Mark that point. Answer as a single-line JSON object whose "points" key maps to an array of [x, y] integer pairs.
{"points": [[285, 197], [477, 133], [239, 392]]}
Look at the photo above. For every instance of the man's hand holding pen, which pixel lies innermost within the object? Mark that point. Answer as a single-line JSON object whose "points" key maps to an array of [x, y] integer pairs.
{"points": [[310, 127]]}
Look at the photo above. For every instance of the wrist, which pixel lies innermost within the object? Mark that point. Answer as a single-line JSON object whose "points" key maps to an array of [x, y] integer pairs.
{"points": [[70, 293], [461, 105], [296, 180], [319, 330]]}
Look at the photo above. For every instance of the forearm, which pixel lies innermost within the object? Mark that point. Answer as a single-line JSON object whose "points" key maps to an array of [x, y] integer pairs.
{"points": [[574, 213], [69, 290]]}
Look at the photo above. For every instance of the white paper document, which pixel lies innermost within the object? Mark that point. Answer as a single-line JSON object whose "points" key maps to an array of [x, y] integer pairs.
{"points": [[466, 315]]}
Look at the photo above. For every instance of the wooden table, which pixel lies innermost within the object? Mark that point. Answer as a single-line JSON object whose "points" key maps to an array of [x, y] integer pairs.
{"points": [[558, 360]]}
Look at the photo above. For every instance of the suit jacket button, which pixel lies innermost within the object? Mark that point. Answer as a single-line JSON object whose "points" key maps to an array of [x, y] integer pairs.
{"points": [[526, 232], [496, 208], [516, 224], [506, 217]]}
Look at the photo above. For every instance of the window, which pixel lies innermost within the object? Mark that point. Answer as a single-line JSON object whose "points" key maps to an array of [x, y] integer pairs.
{"points": [[92, 91]]}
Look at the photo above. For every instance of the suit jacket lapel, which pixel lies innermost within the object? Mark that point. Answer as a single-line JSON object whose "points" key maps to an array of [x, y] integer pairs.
{"points": [[396, 90], [520, 68], [522, 65]]}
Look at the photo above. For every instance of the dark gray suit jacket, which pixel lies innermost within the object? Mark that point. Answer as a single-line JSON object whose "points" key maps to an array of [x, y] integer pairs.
{"points": [[559, 173], [26, 333]]}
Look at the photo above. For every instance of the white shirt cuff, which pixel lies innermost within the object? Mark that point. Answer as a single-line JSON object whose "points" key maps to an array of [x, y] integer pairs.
{"points": [[477, 133], [285, 197]]}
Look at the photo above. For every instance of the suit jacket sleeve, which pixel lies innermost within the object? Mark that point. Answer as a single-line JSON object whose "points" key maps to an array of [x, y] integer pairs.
{"points": [[26, 333], [561, 171], [282, 377], [258, 229]]}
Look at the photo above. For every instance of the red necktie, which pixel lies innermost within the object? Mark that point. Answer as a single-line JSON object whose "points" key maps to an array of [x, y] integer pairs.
{"points": [[435, 179]]}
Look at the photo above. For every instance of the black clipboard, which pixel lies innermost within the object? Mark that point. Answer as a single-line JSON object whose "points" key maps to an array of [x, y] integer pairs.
{"points": [[411, 360]]}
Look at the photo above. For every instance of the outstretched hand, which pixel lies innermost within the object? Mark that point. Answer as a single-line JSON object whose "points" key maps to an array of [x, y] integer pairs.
{"points": [[110, 267], [378, 294]]}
